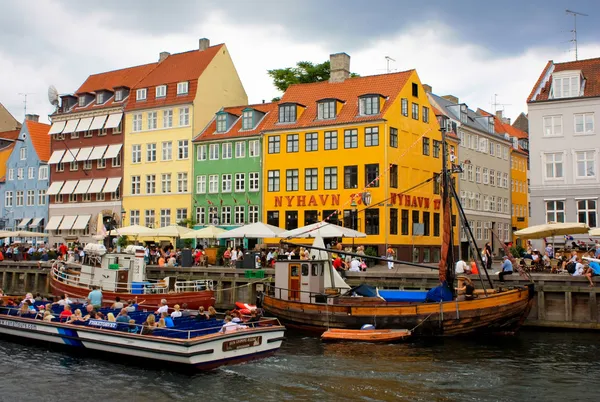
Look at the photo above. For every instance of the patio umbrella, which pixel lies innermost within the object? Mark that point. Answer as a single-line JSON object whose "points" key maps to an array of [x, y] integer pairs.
{"points": [[256, 230], [169, 231], [133, 230], [209, 232], [21, 233], [593, 232], [322, 229], [553, 229]]}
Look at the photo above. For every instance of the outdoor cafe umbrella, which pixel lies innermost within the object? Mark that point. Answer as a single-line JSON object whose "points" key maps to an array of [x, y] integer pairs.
{"points": [[594, 232], [322, 229], [553, 229], [133, 230], [169, 231], [256, 230], [209, 232], [21, 233]]}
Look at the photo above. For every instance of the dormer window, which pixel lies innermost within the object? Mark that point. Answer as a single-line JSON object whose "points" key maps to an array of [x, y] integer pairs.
{"points": [[566, 85], [100, 98], [491, 124], [161, 91], [82, 101], [119, 95], [221, 122], [248, 120], [182, 88], [287, 113], [140, 94], [326, 109], [368, 105], [463, 113]]}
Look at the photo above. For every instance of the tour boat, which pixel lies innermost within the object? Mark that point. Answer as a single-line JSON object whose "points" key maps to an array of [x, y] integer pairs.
{"points": [[366, 335], [191, 344], [123, 275]]}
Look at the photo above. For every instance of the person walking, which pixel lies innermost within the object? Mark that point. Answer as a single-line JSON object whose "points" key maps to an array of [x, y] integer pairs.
{"points": [[389, 254], [487, 253]]}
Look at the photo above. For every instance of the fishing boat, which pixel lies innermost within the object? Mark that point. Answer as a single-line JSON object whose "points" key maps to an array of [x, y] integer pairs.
{"points": [[123, 275], [365, 335], [190, 344]]}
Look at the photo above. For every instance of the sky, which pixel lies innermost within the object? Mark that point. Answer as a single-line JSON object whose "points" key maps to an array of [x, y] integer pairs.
{"points": [[477, 51]]}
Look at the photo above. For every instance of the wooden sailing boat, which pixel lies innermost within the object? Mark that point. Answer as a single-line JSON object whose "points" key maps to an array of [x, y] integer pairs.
{"points": [[311, 295]]}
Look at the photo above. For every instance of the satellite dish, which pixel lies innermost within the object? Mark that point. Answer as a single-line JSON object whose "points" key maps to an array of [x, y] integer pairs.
{"points": [[53, 95]]}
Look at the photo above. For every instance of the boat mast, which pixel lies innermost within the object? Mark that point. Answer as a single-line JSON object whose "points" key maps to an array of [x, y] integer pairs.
{"points": [[447, 262]]}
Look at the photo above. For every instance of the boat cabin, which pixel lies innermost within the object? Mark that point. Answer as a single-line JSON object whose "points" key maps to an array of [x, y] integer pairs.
{"points": [[113, 272]]}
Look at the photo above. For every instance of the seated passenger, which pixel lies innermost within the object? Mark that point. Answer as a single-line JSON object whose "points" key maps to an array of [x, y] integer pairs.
{"points": [[66, 313], [111, 317], [117, 305], [167, 320], [254, 316], [163, 307], [212, 313], [229, 325], [23, 310], [48, 317], [77, 317], [149, 325], [123, 316], [202, 315], [133, 329], [99, 316], [161, 323], [133, 304], [177, 312], [90, 312]]}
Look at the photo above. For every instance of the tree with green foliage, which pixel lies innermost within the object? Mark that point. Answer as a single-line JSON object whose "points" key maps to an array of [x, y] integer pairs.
{"points": [[304, 72]]}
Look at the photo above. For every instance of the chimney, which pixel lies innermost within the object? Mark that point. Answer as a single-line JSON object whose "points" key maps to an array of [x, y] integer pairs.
{"points": [[427, 88], [339, 64], [203, 44], [499, 115], [33, 117], [163, 55], [451, 98]]}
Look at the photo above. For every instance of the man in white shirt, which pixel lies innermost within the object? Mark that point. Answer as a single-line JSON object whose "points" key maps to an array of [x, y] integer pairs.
{"points": [[229, 325], [163, 308], [461, 267], [234, 256], [354, 265], [579, 268]]}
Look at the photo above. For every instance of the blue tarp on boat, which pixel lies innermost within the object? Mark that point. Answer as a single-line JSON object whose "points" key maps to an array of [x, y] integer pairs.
{"points": [[403, 295], [363, 290], [440, 293]]}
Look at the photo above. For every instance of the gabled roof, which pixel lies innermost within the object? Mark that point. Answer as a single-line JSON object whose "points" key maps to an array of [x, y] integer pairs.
{"points": [[38, 133], [235, 131], [590, 69], [348, 91], [126, 77]]}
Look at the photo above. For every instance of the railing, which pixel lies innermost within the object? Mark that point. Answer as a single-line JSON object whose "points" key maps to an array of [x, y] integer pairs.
{"points": [[193, 286], [294, 295]]}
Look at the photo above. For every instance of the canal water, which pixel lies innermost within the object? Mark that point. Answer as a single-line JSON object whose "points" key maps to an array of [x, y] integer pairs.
{"points": [[543, 366]]}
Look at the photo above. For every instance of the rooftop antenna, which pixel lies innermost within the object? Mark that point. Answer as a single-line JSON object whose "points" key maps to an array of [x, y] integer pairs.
{"points": [[387, 60], [574, 31], [495, 104], [24, 95]]}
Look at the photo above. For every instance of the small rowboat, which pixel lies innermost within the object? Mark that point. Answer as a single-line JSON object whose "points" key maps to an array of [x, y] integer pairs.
{"points": [[366, 335]]}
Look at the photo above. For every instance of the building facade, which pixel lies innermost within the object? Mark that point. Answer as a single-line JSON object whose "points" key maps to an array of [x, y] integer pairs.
{"points": [[171, 103], [564, 144], [25, 204], [228, 169], [357, 152]]}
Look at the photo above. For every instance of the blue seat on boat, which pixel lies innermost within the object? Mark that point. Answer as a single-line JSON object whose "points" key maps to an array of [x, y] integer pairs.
{"points": [[403, 295]]}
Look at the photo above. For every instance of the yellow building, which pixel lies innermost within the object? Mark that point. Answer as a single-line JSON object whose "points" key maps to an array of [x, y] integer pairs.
{"points": [[356, 151], [520, 191], [168, 106]]}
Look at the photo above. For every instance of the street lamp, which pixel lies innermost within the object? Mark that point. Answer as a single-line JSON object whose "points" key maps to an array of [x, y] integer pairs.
{"points": [[123, 212]]}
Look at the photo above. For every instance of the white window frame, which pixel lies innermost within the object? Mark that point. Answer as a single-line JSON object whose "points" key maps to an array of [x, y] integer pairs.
{"points": [[213, 184], [41, 197], [587, 210], [555, 211], [183, 150], [253, 181], [43, 173], [213, 152], [239, 215], [31, 172], [134, 217], [136, 185], [182, 88], [477, 174], [165, 217], [240, 182], [226, 182], [240, 149], [161, 91], [152, 119], [137, 122], [201, 184], [552, 126], [11, 174], [227, 150], [151, 152], [167, 150], [254, 148], [165, 183], [253, 216], [587, 163], [141, 94], [573, 81], [182, 182], [150, 184], [584, 117], [546, 160], [201, 153], [167, 118], [200, 215], [136, 153], [23, 153], [184, 116], [226, 215]]}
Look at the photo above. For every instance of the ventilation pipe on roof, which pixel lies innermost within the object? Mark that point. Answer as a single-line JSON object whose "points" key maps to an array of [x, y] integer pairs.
{"points": [[203, 44], [339, 65], [33, 117], [163, 55]]}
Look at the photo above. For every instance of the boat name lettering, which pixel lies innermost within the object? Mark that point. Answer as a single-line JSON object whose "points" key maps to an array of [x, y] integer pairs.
{"points": [[17, 324], [243, 343], [103, 324], [307, 201]]}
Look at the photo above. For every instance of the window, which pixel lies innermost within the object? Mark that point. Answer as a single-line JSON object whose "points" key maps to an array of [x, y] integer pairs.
{"points": [[291, 220], [252, 213], [330, 175], [167, 150], [240, 149], [425, 146], [372, 175], [20, 196], [287, 113], [30, 198], [140, 94], [426, 223], [41, 197], [74, 135], [226, 180], [552, 126], [586, 164], [136, 153], [404, 107], [478, 230], [331, 140], [273, 180], [11, 173], [499, 179], [436, 224], [226, 215], [372, 221], [291, 183], [20, 173], [351, 176], [554, 166], [351, 219], [253, 181], [182, 88], [183, 149], [150, 184], [274, 142], [151, 152], [149, 218], [200, 216], [586, 212], [247, 120], [311, 142], [201, 184], [394, 221], [213, 152], [182, 182], [116, 161], [565, 87], [310, 217], [72, 197], [31, 173], [492, 177], [326, 110], [369, 105], [134, 217], [499, 204], [393, 137], [99, 197], [137, 122], [161, 91], [470, 172], [165, 183], [499, 150], [415, 111], [221, 122], [273, 218], [505, 153], [74, 166], [351, 138], [584, 123], [371, 136], [167, 118], [555, 211], [184, 116], [165, 217], [477, 174], [436, 148], [240, 182], [253, 148], [239, 215], [505, 205], [181, 214], [81, 100], [311, 179], [486, 176], [118, 95], [505, 180], [425, 114], [23, 153], [292, 143], [101, 164], [404, 222]]}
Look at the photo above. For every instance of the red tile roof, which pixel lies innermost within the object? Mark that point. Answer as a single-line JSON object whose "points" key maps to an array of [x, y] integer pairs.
{"points": [[38, 132], [126, 77], [210, 132], [590, 70], [348, 91], [10, 135], [504, 128]]}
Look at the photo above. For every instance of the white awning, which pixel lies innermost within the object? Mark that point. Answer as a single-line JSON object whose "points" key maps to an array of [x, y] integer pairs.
{"points": [[35, 223], [55, 187], [56, 157], [84, 154], [84, 124], [112, 185], [81, 222], [24, 223], [96, 186], [112, 151], [53, 222], [68, 187], [98, 122], [70, 155], [71, 126], [67, 222], [57, 127], [113, 120], [82, 186], [97, 153]]}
